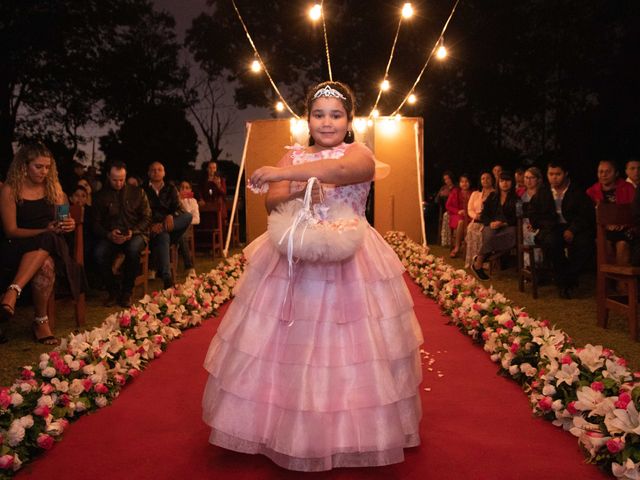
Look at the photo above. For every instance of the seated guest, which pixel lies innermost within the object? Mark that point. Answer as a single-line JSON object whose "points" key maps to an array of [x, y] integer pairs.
{"points": [[441, 199], [564, 217], [32, 247], [83, 182], [533, 181], [121, 221], [189, 204], [496, 170], [635, 245], [457, 208], [473, 237], [499, 219], [80, 196], [611, 189], [168, 220], [632, 170], [134, 181], [520, 186]]}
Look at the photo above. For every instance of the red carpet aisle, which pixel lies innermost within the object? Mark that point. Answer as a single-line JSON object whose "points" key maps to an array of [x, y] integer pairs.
{"points": [[476, 425]]}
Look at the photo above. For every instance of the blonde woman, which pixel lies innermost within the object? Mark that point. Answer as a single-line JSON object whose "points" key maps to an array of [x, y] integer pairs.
{"points": [[32, 235]]}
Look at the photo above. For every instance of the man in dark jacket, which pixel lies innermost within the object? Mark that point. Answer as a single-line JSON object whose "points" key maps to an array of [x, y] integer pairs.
{"points": [[169, 221], [121, 221], [564, 216]]}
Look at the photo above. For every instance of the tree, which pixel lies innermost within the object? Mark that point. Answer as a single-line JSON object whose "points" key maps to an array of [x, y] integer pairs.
{"points": [[212, 117], [67, 64], [157, 133]]}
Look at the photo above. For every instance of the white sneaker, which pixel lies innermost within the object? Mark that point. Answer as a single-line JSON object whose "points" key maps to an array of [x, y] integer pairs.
{"points": [[151, 274]]}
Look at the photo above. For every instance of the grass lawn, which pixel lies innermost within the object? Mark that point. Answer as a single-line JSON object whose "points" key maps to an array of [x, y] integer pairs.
{"points": [[577, 317], [23, 350]]}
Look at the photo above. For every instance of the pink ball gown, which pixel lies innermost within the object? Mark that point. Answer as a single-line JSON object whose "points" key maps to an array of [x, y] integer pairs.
{"points": [[338, 387]]}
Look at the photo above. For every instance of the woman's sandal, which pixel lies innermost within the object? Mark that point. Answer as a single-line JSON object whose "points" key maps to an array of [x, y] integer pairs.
{"points": [[49, 339], [7, 311]]}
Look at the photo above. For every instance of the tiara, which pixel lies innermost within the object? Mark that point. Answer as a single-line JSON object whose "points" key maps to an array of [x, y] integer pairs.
{"points": [[328, 92]]}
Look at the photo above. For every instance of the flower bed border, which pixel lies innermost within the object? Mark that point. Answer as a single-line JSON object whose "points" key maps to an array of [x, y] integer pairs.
{"points": [[88, 370], [588, 390]]}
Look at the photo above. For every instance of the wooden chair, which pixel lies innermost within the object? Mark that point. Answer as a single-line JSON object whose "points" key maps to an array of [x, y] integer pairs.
{"points": [[210, 231], [143, 277], [610, 274], [77, 213], [527, 270], [173, 261]]}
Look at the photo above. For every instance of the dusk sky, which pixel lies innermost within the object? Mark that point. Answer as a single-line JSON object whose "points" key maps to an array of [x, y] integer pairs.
{"points": [[184, 11]]}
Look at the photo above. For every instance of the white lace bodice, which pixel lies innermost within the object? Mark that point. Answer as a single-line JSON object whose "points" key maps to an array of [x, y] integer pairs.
{"points": [[354, 195]]}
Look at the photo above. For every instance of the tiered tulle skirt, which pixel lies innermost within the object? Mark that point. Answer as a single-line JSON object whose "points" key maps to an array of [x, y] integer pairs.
{"points": [[328, 381]]}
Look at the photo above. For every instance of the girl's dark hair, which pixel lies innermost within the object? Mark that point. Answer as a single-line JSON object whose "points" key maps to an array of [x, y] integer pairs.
{"points": [[449, 173], [349, 104]]}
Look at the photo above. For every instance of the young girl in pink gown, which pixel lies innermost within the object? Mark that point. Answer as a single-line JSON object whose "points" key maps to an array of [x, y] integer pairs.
{"points": [[336, 383]]}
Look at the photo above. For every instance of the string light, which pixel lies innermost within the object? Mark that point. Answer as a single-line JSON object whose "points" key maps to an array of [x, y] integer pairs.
{"points": [[407, 10], [433, 50], [257, 54], [255, 66], [315, 12], [412, 99], [375, 113], [280, 106], [441, 53]]}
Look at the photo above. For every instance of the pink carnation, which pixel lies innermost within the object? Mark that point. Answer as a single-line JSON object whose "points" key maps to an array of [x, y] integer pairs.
{"points": [[6, 462], [47, 388], [509, 324], [514, 347], [623, 401], [545, 404], [571, 407], [622, 362], [615, 445], [544, 323], [5, 398], [64, 400], [42, 411], [166, 320], [597, 386], [133, 372], [566, 360], [125, 321], [45, 441], [100, 388], [87, 384], [496, 311], [27, 373], [120, 379]]}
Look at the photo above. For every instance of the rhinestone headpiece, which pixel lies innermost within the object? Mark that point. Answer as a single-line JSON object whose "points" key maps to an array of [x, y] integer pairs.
{"points": [[328, 92]]}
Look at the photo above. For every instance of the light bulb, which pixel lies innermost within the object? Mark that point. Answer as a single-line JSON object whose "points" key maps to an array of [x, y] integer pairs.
{"points": [[384, 86], [442, 51], [315, 12], [411, 99], [407, 10], [280, 106], [375, 113], [255, 66]]}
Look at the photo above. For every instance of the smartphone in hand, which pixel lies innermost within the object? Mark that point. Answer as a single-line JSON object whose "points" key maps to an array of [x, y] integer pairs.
{"points": [[62, 212]]}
